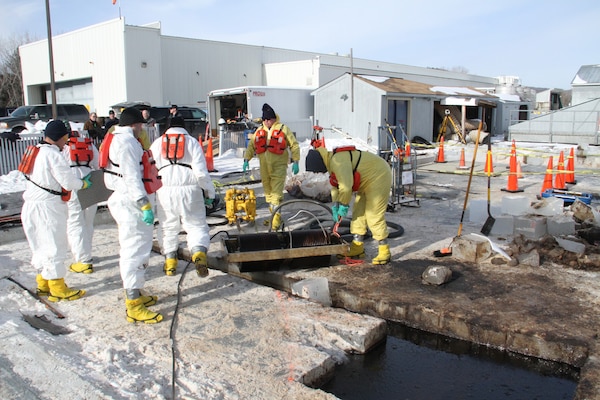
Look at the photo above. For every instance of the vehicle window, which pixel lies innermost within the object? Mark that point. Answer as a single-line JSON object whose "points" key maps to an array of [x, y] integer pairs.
{"points": [[43, 112], [76, 112], [186, 114], [198, 114], [21, 112]]}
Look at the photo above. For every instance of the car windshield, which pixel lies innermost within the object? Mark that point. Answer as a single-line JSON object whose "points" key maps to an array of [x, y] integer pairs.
{"points": [[197, 113], [21, 112]]}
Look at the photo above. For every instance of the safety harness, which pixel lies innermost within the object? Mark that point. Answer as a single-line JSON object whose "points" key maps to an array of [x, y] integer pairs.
{"points": [[26, 167], [355, 174]]}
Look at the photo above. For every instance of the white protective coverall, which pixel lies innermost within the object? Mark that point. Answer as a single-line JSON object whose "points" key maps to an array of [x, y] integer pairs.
{"points": [[273, 167], [135, 237], [180, 200], [80, 224], [372, 196], [44, 214]]}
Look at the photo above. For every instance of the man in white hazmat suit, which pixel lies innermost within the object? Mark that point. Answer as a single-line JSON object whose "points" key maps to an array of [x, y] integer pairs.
{"points": [[82, 156], [274, 143], [130, 206], [44, 212], [370, 177], [187, 188]]}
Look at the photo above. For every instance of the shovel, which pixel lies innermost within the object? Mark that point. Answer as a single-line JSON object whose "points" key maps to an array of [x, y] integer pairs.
{"points": [[489, 222], [447, 251]]}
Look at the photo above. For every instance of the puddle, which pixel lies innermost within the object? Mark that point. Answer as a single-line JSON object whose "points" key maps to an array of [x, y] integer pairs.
{"points": [[416, 365]]}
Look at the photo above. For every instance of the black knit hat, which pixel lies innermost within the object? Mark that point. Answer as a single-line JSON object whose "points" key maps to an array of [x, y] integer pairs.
{"points": [[268, 112], [177, 122], [314, 162], [131, 116], [55, 130]]}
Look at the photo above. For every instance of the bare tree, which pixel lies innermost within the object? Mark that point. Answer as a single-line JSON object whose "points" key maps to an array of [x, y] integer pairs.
{"points": [[11, 77]]}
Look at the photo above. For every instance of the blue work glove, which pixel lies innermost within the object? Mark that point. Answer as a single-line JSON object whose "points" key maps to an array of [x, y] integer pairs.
{"points": [[295, 168], [335, 211], [208, 202], [342, 211], [87, 181], [148, 214], [246, 166]]}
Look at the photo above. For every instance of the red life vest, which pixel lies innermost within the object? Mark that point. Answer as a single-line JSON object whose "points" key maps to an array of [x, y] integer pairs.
{"points": [[26, 167], [103, 158], [173, 146], [80, 150], [355, 174], [150, 175], [275, 145]]}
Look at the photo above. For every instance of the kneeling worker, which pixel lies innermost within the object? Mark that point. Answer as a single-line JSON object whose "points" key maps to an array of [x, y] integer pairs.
{"points": [[370, 177]]}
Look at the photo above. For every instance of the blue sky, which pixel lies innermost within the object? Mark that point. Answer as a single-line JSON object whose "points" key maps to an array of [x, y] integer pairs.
{"points": [[542, 42]]}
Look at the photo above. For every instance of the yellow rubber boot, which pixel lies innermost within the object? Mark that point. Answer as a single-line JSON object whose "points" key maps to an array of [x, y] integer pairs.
{"points": [[82, 268], [199, 259], [137, 312], [384, 255], [276, 221], [170, 266], [357, 250], [42, 286], [148, 300], [60, 291]]}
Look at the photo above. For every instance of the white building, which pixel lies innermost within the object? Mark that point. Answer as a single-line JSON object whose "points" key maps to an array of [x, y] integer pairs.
{"points": [[113, 62]]}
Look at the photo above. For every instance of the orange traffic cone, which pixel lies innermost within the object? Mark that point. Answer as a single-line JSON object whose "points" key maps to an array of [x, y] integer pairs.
{"points": [[513, 184], [519, 171], [489, 167], [440, 156], [461, 163], [209, 156], [548, 178], [559, 181], [570, 178], [407, 148]]}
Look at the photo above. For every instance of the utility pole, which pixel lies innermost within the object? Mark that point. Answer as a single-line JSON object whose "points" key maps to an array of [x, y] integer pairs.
{"points": [[52, 85]]}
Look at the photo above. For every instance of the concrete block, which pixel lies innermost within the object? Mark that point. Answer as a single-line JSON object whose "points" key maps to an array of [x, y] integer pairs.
{"points": [[548, 206], [532, 258], [504, 225], [478, 210], [561, 225], [313, 289], [515, 205], [571, 245], [532, 227], [471, 249]]}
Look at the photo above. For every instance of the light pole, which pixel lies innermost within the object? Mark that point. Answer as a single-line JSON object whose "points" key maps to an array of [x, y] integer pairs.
{"points": [[52, 86]]}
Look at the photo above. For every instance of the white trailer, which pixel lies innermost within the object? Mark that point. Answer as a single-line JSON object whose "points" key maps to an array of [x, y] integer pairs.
{"points": [[235, 112]]}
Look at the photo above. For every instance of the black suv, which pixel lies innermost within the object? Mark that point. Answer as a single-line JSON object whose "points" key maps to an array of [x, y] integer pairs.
{"points": [[194, 118], [15, 122]]}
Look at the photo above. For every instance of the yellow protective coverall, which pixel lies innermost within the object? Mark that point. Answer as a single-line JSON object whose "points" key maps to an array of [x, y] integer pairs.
{"points": [[373, 192], [273, 167]]}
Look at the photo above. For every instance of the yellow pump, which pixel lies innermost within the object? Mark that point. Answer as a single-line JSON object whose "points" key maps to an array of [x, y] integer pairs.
{"points": [[240, 204]]}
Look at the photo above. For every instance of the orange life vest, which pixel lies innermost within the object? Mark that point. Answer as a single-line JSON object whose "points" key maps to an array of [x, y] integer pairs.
{"points": [[276, 144], [26, 167], [355, 174], [80, 150], [150, 175], [173, 149], [103, 158]]}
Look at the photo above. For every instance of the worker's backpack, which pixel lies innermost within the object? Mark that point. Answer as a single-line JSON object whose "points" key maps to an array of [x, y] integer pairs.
{"points": [[80, 151], [26, 167], [103, 158]]}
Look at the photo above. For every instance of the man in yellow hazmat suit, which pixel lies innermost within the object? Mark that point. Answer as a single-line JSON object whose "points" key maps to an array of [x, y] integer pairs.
{"points": [[370, 177], [272, 143]]}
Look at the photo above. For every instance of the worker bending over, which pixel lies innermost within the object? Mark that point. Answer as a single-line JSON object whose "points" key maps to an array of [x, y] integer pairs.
{"points": [[370, 177], [272, 143], [181, 201]]}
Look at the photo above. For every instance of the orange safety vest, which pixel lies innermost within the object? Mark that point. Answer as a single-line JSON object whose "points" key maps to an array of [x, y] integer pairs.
{"points": [[150, 176], [277, 142], [26, 167], [355, 174], [173, 149], [80, 150]]}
